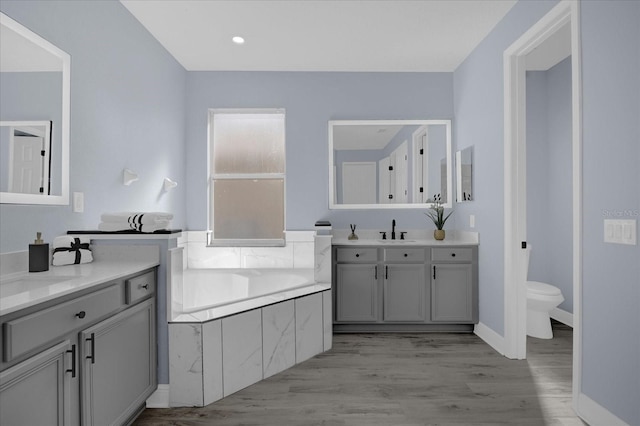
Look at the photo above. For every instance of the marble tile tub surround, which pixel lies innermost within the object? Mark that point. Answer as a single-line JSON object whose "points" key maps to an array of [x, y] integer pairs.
{"points": [[412, 237], [208, 361], [298, 252], [302, 250]]}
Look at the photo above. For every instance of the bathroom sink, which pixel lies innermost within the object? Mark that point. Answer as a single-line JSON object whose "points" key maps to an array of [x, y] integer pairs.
{"points": [[31, 282], [396, 241]]}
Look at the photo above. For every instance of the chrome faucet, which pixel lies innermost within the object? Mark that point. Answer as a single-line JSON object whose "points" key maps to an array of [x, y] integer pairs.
{"points": [[393, 229]]}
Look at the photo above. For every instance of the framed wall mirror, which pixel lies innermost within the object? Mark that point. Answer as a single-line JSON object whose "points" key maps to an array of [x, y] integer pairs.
{"points": [[387, 164], [464, 175], [34, 117]]}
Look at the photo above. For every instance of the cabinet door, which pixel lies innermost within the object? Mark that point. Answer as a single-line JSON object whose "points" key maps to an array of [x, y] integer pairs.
{"points": [[404, 292], [451, 292], [356, 293], [119, 365], [38, 391]]}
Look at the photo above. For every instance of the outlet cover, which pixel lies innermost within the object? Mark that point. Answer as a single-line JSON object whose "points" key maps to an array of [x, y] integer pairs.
{"points": [[620, 231]]}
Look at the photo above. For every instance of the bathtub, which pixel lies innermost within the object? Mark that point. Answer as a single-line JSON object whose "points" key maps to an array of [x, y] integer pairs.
{"points": [[208, 294], [230, 328]]}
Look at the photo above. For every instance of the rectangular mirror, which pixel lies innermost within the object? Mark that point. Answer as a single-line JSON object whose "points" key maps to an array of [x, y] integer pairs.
{"points": [[464, 175], [382, 164], [34, 103]]}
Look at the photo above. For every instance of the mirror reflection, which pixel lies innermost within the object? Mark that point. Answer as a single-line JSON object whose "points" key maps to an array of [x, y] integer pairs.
{"points": [[464, 175], [25, 148], [387, 164], [34, 117]]}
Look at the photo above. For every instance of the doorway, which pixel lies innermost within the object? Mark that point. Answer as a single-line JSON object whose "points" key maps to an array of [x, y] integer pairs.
{"points": [[562, 19]]}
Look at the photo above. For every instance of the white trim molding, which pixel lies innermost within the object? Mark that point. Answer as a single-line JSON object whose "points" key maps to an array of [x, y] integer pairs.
{"points": [[565, 12], [563, 316], [160, 398], [490, 337], [595, 414]]}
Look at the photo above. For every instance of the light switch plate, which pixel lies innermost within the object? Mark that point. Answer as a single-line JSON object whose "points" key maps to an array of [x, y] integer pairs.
{"points": [[620, 231], [78, 202], [472, 221]]}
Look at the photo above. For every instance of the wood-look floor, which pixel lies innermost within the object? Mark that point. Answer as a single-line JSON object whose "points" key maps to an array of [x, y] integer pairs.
{"points": [[403, 380]]}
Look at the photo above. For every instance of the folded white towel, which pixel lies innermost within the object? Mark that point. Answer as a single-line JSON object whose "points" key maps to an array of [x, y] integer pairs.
{"points": [[70, 250], [144, 218], [123, 226]]}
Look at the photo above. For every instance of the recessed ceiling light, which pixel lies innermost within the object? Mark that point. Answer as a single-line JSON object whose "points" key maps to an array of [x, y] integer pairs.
{"points": [[238, 40]]}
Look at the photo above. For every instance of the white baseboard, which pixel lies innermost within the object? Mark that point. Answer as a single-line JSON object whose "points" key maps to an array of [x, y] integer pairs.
{"points": [[562, 316], [595, 414], [160, 398], [492, 338]]}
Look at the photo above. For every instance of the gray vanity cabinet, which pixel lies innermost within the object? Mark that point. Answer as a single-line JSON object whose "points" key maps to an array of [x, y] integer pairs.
{"points": [[397, 287], [453, 293], [38, 390], [356, 285], [118, 373], [404, 285], [87, 358]]}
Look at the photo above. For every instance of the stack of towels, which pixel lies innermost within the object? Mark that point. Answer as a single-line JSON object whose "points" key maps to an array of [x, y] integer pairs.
{"points": [[136, 221], [71, 250]]}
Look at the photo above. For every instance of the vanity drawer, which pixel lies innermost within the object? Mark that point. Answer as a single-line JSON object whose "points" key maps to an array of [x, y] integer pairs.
{"points": [[357, 255], [31, 331], [451, 254], [407, 254], [140, 287]]}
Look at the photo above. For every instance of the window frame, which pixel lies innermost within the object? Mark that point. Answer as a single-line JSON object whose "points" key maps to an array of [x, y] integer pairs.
{"points": [[212, 177]]}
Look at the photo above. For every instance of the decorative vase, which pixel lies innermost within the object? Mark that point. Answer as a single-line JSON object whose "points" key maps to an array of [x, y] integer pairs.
{"points": [[438, 234], [352, 236]]}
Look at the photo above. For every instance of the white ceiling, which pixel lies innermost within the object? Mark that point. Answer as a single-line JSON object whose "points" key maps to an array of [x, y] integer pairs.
{"points": [[320, 35]]}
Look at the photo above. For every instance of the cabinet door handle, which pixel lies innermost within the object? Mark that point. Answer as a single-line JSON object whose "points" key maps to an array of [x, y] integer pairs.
{"points": [[376, 272], [453, 255], [72, 370], [92, 357], [146, 286], [434, 272], [81, 314], [386, 272], [406, 255], [357, 254]]}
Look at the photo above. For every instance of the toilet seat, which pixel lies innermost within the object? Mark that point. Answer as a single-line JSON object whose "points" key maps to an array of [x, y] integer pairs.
{"points": [[542, 289]]}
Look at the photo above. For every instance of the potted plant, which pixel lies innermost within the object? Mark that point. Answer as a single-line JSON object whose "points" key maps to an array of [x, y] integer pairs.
{"points": [[436, 214]]}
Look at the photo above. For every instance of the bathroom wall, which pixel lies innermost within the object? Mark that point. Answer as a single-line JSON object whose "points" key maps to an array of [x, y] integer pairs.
{"points": [[127, 110], [610, 45], [479, 122], [311, 99], [549, 180], [611, 189]]}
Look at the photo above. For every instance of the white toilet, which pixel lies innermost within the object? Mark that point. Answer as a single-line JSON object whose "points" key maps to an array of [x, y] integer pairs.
{"points": [[542, 298]]}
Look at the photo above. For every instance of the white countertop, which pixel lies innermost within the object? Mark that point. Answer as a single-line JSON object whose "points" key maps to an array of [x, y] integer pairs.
{"points": [[23, 290], [402, 243]]}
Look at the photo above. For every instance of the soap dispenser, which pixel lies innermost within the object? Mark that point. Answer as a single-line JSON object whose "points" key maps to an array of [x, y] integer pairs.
{"points": [[38, 255]]}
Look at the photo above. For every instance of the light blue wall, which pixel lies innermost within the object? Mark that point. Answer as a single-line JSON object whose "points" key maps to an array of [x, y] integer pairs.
{"points": [[610, 45], [127, 110], [479, 122], [311, 100], [549, 180], [611, 138]]}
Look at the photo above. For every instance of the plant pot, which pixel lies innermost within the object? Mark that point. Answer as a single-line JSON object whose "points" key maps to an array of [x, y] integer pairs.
{"points": [[438, 234]]}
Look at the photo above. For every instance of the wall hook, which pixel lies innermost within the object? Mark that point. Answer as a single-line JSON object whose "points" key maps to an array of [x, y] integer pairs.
{"points": [[128, 177], [169, 184]]}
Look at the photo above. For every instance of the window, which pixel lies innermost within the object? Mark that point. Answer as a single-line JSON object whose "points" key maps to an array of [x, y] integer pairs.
{"points": [[246, 186]]}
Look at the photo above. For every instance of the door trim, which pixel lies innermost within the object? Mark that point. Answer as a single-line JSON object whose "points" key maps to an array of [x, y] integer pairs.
{"points": [[567, 11]]}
